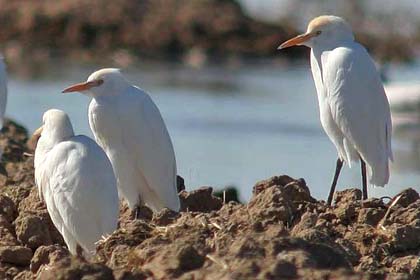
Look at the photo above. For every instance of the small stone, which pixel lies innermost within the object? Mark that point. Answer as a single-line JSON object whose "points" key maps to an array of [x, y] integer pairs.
{"points": [[281, 269], [408, 265], [17, 255], [188, 258], [7, 208], [165, 217], [32, 231], [370, 216], [46, 255], [348, 196], [408, 196], [200, 200]]}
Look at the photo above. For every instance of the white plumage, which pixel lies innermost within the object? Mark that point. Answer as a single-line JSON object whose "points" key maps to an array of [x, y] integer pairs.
{"points": [[3, 90], [76, 180], [129, 127], [354, 109]]}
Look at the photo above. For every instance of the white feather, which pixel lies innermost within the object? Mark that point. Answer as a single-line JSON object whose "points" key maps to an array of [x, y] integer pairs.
{"points": [[129, 127], [354, 109], [77, 183]]}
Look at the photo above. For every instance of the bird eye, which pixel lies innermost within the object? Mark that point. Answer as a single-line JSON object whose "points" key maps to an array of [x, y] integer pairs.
{"points": [[318, 32]]}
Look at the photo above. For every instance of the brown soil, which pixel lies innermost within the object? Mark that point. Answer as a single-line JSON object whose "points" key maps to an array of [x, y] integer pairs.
{"points": [[282, 233]]}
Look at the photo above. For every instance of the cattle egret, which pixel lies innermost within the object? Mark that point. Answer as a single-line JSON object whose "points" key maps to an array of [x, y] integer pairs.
{"points": [[128, 126], [354, 109], [76, 180], [3, 90]]}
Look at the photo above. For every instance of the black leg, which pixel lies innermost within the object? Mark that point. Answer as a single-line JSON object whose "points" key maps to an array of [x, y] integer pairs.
{"points": [[338, 167], [79, 253], [364, 179], [137, 213]]}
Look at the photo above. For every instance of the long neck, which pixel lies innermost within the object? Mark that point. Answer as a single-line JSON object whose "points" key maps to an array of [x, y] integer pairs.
{"points": [[316, 67]]}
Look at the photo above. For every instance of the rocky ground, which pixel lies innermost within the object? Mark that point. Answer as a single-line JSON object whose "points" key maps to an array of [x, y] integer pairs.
{"points": [[282, 233]]}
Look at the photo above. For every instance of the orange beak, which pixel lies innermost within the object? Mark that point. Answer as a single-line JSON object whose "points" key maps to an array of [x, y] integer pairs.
{"points": [[83, 86], [298, 40]]}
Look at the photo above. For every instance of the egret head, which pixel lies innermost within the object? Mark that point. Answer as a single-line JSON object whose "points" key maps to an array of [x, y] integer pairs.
{"points": [[107, 81], [322, 31], [56, 126]]}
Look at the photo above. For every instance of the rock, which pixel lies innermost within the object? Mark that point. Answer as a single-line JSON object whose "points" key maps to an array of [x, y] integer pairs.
{"points": [[188, 258], [31, 203], [314, 235], [32, 231], [307, 221], [133, 234], [7, 236], [272, 205], [408, 265], [120, 257], [7, 208], [136, 274], [370, 216], [200, 200], [72, 268], [8, 271], [24, 275], [403, 238], [13, 139], [47, 255], [368, 263], [298, 191], [308, 254], [278, 181], [248, 248], [165, 217], [373, 202], [281, 269], [348, 196], [345, 212], [408, 196], [405, 215], [17, 255]]}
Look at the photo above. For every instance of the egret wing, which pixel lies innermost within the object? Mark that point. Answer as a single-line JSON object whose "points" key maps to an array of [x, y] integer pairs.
{"points": [[146, 135], [82, 188], [358, 103]]}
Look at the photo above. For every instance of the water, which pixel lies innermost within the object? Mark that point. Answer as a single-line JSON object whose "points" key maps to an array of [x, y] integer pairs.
{"points": [[229, 126]]}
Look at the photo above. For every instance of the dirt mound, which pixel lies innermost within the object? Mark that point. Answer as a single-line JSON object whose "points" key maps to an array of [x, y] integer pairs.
{"points": [[282, 233]]}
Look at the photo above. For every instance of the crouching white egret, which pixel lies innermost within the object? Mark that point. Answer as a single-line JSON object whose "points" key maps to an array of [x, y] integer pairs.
{"points": [[76, 181]]}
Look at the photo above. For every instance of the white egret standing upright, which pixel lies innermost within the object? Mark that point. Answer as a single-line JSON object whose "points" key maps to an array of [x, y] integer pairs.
{"points": [[354, 109], [76, 180], [3, 90], [129, 127]]}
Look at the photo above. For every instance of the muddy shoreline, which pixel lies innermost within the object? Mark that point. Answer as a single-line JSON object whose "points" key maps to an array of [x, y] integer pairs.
{"points": [[121, 33], [281, 233]]}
